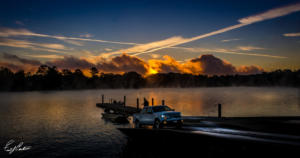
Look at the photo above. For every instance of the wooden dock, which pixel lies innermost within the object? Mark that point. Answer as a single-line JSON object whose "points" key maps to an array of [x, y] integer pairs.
{"points": [[118, 108]]}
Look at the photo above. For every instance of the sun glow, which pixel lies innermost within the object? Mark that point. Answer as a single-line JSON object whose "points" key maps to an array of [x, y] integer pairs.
{"points": [[152, 71]]}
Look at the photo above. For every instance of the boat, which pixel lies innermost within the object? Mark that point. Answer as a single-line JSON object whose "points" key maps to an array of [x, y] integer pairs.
{"points": [[115, 117]]}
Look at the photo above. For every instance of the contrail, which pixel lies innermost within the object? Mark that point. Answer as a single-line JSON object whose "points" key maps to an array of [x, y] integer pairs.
{"points": [[270, 14], [172, 42], [7, 32]]}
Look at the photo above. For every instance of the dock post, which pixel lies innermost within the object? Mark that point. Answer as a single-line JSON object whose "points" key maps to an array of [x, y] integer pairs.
{"points": [[124, 100], [163, 102], [102, 98], [152, 101], [137, 103], [219, 110]]}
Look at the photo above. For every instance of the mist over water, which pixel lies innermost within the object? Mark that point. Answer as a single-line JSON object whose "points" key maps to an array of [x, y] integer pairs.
{"points": [[68, 122], [236, 101]]}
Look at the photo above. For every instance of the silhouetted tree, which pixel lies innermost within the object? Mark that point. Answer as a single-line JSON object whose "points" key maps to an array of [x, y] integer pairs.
{"points": [[79, 80], [67, 79], [42, 70], [94, 71], [49, 78], [132, 80], [6, 79], [20, 83], [52, 78]]}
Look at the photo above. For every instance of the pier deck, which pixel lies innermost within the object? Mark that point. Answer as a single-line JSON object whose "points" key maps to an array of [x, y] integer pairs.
{"points": [[118, 108]]}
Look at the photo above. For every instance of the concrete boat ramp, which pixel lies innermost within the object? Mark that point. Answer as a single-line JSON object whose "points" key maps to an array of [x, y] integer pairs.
{"points": [[216, 133], [210, 139]]}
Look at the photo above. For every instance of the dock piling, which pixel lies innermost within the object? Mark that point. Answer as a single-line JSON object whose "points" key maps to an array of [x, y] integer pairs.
{"points": [[219, 111], [137, 103], [163, 102], [152, 101], [102, 98], [124, 100]]}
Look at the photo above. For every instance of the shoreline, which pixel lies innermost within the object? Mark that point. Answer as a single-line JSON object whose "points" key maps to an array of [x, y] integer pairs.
{"points": [[96, 89]]}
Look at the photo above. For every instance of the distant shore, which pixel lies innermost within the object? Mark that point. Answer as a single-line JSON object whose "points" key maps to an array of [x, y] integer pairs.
{"points": [[50, 78]]}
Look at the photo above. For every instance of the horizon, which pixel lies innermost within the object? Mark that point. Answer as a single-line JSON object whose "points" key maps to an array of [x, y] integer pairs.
{"points": [[151, 37], [94, 72]]}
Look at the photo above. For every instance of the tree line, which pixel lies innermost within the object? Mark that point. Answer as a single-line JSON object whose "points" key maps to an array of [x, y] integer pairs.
{"points": [[49, 78]]}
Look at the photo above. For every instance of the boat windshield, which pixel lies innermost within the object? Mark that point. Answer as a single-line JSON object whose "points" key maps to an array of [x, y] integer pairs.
{"points": [[161, 108]]}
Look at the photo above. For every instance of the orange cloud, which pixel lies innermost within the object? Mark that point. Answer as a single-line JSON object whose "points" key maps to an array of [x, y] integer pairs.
{"points": [[164, 66], [205, 65], [247, 70]]}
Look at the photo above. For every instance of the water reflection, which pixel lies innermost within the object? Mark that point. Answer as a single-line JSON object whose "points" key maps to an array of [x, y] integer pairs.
{"points": [[235, 101], [68, 122], [62, 123]]}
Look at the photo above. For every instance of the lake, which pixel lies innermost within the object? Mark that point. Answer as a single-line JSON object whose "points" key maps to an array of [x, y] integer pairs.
{"points": [[60, 123]]}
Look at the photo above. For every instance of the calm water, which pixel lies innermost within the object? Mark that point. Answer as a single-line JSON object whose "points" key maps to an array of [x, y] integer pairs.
{"points": [[68, 122]]}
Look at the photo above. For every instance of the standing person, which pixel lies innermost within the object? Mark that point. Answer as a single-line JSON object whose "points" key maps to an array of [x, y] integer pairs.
{"points": [[146, 103]]}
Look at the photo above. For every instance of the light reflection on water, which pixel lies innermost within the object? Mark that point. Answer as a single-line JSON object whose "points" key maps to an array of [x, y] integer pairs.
{"points": [[69, 123], [241, 101]]}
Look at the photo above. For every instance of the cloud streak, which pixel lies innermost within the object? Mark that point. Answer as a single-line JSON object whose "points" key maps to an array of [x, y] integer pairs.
{"points": [[146, 48], [229, 51], [86, 35], [20, 60], [8, 32], [270, 14], [292, 34], [49, 56], [249, 48], [49, 47], [230, 40], [174, 41]]}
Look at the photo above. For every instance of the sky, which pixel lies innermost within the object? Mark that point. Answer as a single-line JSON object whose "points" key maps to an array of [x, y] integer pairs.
{"points": [[190, 36]]}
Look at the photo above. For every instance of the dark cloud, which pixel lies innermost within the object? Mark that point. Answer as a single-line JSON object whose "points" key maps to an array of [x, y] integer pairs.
{"points": [[119, 64], [205, 64], [211, 65], [17, 67], [124, 63], [15, 58], [70, 62], [12, 67]]}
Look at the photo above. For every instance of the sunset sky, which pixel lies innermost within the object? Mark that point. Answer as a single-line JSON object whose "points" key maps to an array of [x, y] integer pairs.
{"points": [[260, 33]]}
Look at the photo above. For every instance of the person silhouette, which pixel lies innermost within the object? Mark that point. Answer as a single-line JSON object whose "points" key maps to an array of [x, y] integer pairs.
{"points": [[146, 103]]}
